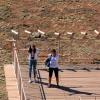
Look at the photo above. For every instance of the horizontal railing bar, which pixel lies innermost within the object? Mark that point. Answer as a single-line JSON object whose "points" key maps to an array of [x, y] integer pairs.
{"points": [[19, 73]]}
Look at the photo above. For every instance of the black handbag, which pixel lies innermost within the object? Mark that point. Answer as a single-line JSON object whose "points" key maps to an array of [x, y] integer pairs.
{"points": [[47, 61]]}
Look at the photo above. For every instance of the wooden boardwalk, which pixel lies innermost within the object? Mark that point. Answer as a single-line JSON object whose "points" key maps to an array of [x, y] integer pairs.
{"points": [[11, 82], [79, 85], [74, 85], [32, 90]]}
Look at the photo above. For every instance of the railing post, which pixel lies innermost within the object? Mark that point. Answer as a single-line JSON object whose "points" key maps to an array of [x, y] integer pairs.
{"points": [[19, 84], [22, 95], [95, 97]]}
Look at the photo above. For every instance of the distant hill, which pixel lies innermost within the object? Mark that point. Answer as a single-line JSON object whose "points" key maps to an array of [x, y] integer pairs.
{"points": [[53, 16], [50, 15]]}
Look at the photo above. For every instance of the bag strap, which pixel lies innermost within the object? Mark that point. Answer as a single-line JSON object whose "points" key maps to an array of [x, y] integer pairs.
{"points": [[50, 57]]}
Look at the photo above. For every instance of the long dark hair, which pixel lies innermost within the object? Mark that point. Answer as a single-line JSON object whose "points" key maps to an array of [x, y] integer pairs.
{"points": [[32, 49]]}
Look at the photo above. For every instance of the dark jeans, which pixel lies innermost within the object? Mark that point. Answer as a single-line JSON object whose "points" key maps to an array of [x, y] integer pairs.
{"points": [[32, 66]]}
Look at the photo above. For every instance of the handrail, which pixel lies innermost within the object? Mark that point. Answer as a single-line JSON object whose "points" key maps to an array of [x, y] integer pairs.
{"points": [[71, 60], [95, 97], [19, 78], [41, 86], [18, 74]]}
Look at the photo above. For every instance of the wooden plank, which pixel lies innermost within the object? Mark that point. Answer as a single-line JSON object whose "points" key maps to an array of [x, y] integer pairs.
{"points": [[11, 83], [72, 83]]}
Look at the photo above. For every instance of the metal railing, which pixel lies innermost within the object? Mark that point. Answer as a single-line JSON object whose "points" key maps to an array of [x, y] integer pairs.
{"points": [[19, 78], [88, 97], [18, 74], [41, 86]]}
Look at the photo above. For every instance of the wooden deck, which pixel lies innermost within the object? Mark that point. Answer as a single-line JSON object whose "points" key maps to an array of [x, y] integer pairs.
{"points": [[80, 85], [11, 82], [74, 85], [32, 90]]}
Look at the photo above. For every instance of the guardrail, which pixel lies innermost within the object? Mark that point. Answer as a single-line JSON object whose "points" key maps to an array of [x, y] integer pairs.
{"points": [[18, 74], [63, 58], [89, 98], [41, 86], [19, 77]]}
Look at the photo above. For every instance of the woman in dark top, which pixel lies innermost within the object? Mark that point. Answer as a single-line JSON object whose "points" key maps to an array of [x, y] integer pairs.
{"points": [[33, 53]]}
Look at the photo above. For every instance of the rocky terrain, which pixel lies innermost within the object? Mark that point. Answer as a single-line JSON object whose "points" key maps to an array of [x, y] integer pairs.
{"points": [[49, 16], [3, 93]]}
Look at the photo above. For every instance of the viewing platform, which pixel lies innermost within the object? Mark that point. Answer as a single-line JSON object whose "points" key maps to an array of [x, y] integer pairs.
{"points": [[77, 82], [74, 85]]}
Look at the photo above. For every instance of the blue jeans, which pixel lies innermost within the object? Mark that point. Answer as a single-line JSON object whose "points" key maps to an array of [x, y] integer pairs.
{"points": [[32, 66]]}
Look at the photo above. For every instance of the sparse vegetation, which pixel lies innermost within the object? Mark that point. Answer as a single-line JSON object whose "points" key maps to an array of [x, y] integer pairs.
{"points": [[3, 93], [50, 16]]}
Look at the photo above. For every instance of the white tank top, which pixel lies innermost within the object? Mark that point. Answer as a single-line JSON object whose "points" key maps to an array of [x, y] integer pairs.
{"points": [[54, 61]]}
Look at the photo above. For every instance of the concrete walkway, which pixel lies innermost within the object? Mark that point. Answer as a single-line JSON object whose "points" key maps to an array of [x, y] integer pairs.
{"points": [[11, 83]]}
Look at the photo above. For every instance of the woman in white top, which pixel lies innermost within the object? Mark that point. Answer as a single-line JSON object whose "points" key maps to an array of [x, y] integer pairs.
{"points": [[33, 54], [53, 66]]}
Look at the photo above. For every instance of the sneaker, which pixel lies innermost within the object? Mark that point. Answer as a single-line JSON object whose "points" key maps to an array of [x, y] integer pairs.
{"points": [[30, 81]]}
